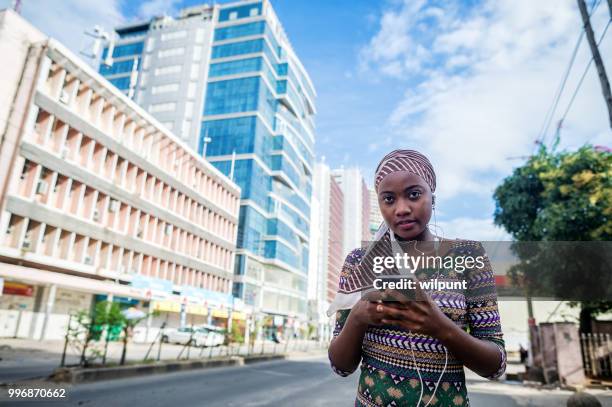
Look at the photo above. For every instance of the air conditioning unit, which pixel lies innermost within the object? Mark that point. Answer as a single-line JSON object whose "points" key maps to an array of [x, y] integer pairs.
{"points": [[42, 187], [96, 215], [114, 206], [88, 260], [139, 234], [64, 97], [168, 230], [64, 153], [27, 244]]}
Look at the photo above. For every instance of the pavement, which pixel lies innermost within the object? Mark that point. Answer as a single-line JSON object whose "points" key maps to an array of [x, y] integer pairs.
{"points": [[303, 379], [297, 382], [22, 359]]}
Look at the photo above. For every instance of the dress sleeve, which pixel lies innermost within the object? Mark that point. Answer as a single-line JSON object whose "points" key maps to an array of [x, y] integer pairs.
{"points": [[352, 260], [481, 300]]}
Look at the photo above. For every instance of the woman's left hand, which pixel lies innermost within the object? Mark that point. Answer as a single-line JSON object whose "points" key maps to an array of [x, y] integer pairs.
{"points": [[422, 315]]}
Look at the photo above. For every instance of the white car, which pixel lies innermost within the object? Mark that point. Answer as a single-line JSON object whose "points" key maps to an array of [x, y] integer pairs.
{"points": [[209, 336], [201, 336]]}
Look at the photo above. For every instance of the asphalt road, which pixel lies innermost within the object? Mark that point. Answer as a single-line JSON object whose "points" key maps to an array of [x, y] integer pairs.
{"points": [[295, 383]]}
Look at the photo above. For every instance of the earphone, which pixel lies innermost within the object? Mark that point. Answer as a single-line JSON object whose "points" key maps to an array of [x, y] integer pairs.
{"points": [[394, 244]]}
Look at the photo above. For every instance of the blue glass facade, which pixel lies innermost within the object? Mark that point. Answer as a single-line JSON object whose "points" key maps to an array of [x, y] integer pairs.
{"points": [[232, 13], [271, 135], [257, 104], [134, 48], [126, 56]]}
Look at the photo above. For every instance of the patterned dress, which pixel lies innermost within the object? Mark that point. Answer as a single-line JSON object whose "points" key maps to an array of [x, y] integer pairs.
{"points": [[388, 376]]}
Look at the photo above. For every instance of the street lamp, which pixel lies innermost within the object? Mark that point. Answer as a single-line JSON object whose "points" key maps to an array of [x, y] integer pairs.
{"points": [[206, 140]]}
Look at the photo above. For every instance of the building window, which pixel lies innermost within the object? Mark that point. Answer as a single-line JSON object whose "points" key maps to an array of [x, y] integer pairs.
{"points": [[171, 87], [171, 52], [162, 107], [167, 70], [233, 15], [173, 35]]}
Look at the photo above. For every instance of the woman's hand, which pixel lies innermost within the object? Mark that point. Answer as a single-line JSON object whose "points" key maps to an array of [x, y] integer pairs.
{"points": [[422, 316], [366, 313]]}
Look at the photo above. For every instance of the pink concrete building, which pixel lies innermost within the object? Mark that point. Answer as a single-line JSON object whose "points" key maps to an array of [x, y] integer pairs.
{"points": [[335, 260], [98, 198]]}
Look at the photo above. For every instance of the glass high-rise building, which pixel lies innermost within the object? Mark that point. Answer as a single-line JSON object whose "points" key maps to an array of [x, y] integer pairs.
{"points": [[226, 80]]}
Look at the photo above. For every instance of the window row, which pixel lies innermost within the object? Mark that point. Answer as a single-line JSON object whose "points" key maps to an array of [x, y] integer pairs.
{"points": [[36, 237], [73, 146], [133, 132], [70, 196]]}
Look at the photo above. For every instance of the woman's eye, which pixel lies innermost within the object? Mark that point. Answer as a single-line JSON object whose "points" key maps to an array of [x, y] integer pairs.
{"points": [[414, 194], [388, 199]]}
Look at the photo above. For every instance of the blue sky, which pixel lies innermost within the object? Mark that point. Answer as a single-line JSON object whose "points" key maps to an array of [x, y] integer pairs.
{"points": [[468, 83]]}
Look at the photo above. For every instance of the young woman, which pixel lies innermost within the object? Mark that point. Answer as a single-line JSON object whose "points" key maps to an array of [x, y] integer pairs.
{"points": [[412, 352]]}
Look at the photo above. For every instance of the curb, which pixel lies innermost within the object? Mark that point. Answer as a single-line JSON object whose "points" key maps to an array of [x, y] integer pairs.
{"points": [[261, 358], [75, 375]]}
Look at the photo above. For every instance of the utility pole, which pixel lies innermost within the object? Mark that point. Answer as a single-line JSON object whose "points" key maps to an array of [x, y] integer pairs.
{"points": [[601, 70]]}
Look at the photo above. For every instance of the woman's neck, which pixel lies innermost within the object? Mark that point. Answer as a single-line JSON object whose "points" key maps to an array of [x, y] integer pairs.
{"points": [[425, 236]]}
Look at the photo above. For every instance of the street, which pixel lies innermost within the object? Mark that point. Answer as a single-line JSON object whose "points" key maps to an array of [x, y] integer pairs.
{"points": [[295, 382]]}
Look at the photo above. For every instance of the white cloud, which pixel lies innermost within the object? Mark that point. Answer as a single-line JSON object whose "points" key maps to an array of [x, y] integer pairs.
{"points": [[470, 228], [67, 20], [155, 8], [478, 83]]}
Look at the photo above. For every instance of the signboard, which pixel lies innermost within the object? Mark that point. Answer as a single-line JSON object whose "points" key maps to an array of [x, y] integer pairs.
{"points": [[239, 316], [212, 298], [151, 287], [13, 288], [167, 306], [197, 309], [220, 313]]}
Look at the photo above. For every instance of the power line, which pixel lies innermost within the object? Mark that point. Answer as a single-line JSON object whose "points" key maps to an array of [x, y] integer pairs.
{"points": [[586, 69], [551, 111]]}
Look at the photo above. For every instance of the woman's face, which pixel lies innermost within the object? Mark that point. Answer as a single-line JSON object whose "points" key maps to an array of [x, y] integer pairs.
{"points": [[405, 201]]}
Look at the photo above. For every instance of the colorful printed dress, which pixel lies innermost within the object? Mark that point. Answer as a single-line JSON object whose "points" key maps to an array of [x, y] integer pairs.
{"points": [[388, 376]]}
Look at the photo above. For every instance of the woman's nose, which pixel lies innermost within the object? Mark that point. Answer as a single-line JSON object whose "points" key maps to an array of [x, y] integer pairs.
{"points": [[403, 208]]}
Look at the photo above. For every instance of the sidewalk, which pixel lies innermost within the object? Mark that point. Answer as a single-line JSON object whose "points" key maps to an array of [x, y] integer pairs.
{"points": [[25, 358]]}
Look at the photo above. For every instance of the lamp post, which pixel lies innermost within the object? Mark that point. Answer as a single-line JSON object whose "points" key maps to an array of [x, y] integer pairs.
{"points": [[206, 140]]}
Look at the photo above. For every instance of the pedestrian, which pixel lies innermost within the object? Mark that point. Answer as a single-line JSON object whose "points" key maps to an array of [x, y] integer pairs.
{"points": [[412, 351], [581, 399], [523, 353]]}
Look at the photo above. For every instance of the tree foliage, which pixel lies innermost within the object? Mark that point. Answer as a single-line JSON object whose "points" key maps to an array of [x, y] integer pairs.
{"points": [[557, 196]]}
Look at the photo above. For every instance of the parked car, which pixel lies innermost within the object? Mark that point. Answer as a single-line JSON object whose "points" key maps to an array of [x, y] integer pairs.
{"points": [[200, 335], [210, 335], [179, 335]]}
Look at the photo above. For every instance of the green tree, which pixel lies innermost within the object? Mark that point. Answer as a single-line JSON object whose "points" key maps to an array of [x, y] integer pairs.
{"points": [[557, 196]]}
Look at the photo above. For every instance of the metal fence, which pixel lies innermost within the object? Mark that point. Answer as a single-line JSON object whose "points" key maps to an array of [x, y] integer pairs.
{"points": [[597, 355]]}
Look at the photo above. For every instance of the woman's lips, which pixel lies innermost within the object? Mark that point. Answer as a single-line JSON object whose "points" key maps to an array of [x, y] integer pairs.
{"points": [[405, 225]]}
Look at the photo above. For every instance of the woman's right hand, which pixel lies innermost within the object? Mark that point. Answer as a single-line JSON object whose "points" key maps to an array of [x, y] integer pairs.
{"points": [[366, 313]]}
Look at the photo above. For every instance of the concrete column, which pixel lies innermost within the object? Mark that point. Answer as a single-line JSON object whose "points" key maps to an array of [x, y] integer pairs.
{"points": [[259, 319], [48, 310], [149, 321], [230, 313], [247, 329]]}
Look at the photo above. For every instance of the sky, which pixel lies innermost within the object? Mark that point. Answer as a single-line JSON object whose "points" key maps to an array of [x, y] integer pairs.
{"points": [[468, 83]]}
